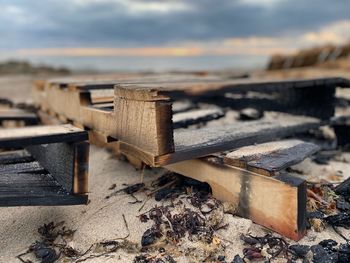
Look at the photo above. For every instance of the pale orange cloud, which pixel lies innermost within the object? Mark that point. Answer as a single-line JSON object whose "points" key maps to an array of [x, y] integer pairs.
{"points": [[337, 33]]}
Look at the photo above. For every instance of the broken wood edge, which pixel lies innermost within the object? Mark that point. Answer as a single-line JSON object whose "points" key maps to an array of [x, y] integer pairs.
{"points": [[81, 168], [251, 162], [277, 203]]}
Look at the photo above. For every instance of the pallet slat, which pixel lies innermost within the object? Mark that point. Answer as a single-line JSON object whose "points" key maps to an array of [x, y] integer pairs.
{"points": [[40, 135], [272, 157]]}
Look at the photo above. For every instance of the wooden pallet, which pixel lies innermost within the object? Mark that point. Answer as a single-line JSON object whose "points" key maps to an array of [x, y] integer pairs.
{"points": [[141, 115], [43, 165], [263, 191], [149, 121]]}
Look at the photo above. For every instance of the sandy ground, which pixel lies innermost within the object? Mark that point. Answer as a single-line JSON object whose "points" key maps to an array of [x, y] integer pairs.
{"points": [[102, 219]]}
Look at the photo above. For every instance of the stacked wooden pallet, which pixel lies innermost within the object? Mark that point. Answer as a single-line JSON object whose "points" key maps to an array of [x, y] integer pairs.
{"points": [[148, 116]]}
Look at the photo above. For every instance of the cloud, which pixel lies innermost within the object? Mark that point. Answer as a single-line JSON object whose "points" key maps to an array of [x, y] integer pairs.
{"points": [[337, 33], [168, 23]]}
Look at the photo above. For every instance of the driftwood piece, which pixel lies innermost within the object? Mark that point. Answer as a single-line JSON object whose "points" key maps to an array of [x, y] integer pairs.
{"points": [[272, 157]]}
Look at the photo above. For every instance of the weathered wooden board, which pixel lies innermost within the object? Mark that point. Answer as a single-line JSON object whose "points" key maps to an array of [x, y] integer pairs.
{"points": [[278, 203], [272, 157], [18, 115], [33, 166], [19, 138], [156, 91], [196, 116], [191, 144]]}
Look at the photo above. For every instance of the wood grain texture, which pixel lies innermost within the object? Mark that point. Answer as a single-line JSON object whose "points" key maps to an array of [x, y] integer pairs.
{"points": [[277, 204], [272, 157], [147, 124]]}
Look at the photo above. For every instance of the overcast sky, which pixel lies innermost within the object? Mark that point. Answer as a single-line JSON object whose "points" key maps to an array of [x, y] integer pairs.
{"points": [[169, 27]]}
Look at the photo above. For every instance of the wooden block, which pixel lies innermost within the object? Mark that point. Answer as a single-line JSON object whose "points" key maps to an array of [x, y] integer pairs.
{"points": [[99, 120], [272, 157], [65, 102], [278, 203], [47, 119], [147, 124]]}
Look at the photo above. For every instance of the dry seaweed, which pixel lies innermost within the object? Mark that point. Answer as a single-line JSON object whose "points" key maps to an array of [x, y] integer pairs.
{"points": [[47, 250], [328, 251], [265, 247], [129, 189], [159, 257]]}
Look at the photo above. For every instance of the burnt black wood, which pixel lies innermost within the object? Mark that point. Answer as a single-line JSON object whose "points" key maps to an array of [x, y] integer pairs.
{"points": [[45, 139], [16, 157], [282, 159], [58, 159], [314, 101], [24, 182]]}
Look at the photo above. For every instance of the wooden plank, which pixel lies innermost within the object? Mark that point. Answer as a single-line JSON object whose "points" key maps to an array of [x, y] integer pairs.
{"points": [[185, 119], [182, 106], [278, 203], [272, 157], [21, 137], [13, 157], [17, 114], [21, 167], [152, 92], [191, 144]]}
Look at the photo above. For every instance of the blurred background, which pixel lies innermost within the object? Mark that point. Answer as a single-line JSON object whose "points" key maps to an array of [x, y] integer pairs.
{"points": [[154, 35]]}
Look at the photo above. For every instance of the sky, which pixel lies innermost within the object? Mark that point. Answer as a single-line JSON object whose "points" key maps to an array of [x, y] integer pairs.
{"points": [[175, 28]]}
